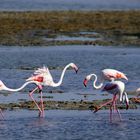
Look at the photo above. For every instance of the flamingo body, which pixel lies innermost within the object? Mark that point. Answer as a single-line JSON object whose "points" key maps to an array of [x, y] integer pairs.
{"points": [[112, 74], [44, 78], [115, 88], [106, 74]]}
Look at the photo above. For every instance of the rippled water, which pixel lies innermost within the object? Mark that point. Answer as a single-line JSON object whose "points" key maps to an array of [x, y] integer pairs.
{"points": [[90, 59], [21, 5], [68, 125]]}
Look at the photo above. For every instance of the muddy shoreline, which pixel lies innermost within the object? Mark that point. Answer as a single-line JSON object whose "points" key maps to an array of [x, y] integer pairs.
{"points": [[67, 105], [105, 28]]}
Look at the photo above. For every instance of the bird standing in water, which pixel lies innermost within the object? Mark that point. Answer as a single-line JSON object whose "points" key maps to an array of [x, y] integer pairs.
{"points": [[44, 78], [115, 88]]}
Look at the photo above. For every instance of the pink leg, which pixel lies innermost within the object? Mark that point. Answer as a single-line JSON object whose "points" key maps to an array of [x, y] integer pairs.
{"points": [[102, 106], [116, 108], [42, 105], [119, 114], [113, 104], [30, 94], [111, 113], [1, 114], [41, 101]]}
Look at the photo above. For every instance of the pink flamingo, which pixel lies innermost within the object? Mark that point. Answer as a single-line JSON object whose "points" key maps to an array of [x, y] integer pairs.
{"points": [[115, 88], [44, 78], [3, 87], [106, 74]]}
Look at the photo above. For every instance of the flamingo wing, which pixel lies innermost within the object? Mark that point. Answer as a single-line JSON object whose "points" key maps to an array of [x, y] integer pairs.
{"points": [[37, 78], [113, 74], [109, 87]]}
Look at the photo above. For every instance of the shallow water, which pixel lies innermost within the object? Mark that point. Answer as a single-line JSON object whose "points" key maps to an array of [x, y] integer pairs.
{"points": [[68, 38], [68, 125], [90, 59], [30, 5]]}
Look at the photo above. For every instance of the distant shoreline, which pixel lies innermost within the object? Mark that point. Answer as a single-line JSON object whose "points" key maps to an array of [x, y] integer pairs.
{"points": [[41, 5], [45, 28]]}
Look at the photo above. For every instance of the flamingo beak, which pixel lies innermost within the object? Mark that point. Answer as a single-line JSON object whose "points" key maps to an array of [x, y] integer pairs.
{"points": [[124, 76], [76, 69], [85, 82]]}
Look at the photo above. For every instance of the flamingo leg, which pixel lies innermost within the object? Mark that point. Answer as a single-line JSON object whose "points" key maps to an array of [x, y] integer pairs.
{"points": [[42, 105], [113, 104], [118, 110], [30, 94], [98, 108], [41, 101], [119, 114], [1, 114], [111, 113]]}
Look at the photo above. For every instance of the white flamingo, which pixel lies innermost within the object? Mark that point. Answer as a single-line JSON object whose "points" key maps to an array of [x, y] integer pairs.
{"points": [[44, 78], [115, 88], [106, 74]]}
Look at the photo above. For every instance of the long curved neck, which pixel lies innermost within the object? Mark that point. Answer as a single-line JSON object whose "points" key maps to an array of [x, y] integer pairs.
{"points": [[94, 82], [61, 78], [18, 89]]}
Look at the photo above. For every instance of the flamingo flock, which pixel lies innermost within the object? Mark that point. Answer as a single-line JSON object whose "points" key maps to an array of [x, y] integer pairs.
{"points": [[110, 82]]}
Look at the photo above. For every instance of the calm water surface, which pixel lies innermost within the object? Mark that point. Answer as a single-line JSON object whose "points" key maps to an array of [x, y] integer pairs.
{"points": [[90, 59], [69, 125], [30, 5]]}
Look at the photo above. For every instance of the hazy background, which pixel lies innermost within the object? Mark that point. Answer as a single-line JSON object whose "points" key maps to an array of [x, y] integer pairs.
{"points": [[16, 5]]}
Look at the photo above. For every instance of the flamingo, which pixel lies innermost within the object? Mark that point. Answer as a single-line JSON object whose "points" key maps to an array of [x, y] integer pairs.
{"points": [[3, 87], [115, 88], [106, 74], [44, 78]]}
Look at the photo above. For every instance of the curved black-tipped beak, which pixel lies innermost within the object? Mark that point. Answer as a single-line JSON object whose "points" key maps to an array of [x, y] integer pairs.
{"points": [[76, 70], [85, 82]]}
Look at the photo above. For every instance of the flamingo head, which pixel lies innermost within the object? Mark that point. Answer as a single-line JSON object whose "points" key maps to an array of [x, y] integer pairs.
{"points": [[74, 67], [88, 77]]}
